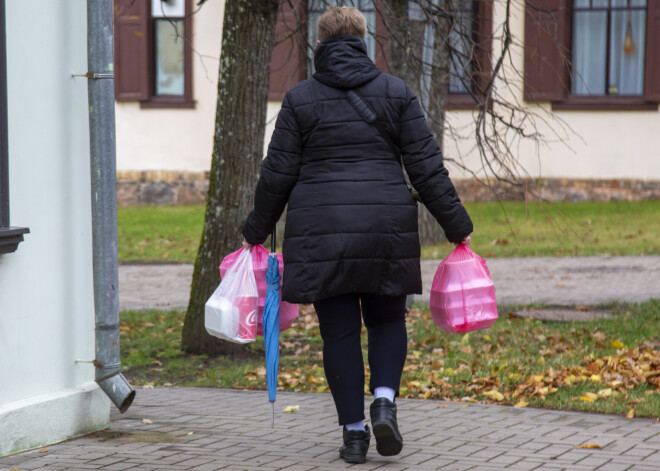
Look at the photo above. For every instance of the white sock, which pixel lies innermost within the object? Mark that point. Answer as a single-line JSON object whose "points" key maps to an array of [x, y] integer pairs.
{"points": [[356, 426], [384, 391]]}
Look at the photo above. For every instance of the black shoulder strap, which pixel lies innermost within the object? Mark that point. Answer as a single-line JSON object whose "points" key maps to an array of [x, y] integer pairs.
{"points": [[368, 115]]}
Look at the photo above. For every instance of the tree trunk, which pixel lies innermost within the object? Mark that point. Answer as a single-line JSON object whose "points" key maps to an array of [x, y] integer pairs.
{"points": [[247, 43], [429, 232], [406, 27]]}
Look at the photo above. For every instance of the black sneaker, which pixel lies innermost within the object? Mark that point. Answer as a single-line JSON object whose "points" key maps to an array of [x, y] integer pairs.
{"points": [[383, 421], [356, 445]]}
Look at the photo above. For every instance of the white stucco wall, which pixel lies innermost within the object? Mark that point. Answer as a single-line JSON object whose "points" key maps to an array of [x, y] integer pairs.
{"points": [[177, 139], [46, 291]]}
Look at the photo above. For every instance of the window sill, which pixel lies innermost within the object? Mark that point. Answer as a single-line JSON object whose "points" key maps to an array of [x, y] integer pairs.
{"points": [[10, 237], [168, 102], [461, 102], [604, 104]]}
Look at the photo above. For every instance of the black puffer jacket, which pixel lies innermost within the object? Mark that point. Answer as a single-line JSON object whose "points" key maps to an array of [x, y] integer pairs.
{"points": [[351, 224]]}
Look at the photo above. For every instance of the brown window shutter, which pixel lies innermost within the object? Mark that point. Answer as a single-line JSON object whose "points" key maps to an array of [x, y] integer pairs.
{"points": [[547, 39], [131, 47], [652, 76], [287, 65], [484, 43]]}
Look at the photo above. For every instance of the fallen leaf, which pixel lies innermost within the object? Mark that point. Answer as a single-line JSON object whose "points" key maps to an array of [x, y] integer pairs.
{"points": [[521, 403], [595, 378], [466, 339], [147, 421], [494, 394], [443, 406], [291, 408], [43, 450], [561, 285], [591, 446], [588, 397], [604, 393], [190, 433], [631, 413], [617, 344]]}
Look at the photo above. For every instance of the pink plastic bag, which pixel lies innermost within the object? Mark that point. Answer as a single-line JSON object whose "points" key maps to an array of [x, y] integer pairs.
{"points": [[462, 294], [288, 312]]}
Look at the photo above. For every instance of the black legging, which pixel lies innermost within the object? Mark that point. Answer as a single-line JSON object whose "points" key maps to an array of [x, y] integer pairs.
{"points": [[340, 325]]}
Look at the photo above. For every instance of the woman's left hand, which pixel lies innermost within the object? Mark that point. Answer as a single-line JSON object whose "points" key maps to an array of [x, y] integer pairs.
{"points": [[465, 241]]}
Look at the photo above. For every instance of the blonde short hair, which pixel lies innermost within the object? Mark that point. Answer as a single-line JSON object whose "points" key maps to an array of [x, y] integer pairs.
{"points": [[341, 21]]}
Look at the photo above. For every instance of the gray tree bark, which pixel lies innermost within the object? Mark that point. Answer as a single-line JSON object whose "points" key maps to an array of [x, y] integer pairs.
{"points": [[406, 44], [247, 44]]}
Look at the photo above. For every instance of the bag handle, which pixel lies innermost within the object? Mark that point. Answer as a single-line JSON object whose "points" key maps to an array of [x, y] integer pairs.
{"points": [[369, 116]]}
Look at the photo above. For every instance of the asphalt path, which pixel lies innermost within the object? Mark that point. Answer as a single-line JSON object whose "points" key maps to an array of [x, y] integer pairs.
{"points": [[549, 280]]}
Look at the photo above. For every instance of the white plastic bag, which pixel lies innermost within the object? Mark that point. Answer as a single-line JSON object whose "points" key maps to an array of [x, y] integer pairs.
{"points": [[231, 311]]}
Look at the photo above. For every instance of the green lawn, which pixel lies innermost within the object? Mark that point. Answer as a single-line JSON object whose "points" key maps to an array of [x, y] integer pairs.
{"points": [[172, 234], [608, 365]]}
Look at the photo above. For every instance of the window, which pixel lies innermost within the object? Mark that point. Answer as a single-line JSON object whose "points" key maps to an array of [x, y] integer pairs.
{"points": [[292, 59], [593, 54], [10, 236], [608, 47], [470, 33], [153, 53]]}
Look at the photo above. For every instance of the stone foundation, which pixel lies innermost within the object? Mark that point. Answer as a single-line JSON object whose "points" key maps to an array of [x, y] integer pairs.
{"points": [[161, 187], [176, 188]]}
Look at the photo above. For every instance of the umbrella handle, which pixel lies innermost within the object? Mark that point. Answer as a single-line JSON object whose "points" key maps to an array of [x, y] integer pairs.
{"points": [[272, 242]]}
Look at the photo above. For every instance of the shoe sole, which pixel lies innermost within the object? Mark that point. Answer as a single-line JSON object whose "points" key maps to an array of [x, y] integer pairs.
{"points": [[350, 458], [388, 441]]}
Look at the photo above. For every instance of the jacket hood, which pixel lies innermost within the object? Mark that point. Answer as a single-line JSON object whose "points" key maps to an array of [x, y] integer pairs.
{"points": [[342, 62]]}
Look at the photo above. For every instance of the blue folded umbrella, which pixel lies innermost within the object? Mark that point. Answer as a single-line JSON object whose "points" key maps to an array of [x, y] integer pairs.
{"points": [[271, 325]]}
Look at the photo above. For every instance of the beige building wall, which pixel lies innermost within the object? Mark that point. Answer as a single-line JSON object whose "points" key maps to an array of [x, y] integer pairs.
{"points": [[575, 144], [177, 139]]}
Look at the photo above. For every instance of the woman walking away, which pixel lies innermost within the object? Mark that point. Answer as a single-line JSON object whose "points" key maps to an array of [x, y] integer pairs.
{"points": [[351, 244]]}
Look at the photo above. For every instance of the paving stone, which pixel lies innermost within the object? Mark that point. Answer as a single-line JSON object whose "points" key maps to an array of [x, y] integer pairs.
{"points": [[479, 437]]}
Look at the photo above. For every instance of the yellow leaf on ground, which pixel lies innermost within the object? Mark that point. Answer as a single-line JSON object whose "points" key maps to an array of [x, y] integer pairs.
{"points": [[291, 408], [591, 446], [466, 339], [494, 394], [147, 421], [617, 344], [605, 392], [588, 397], [43, 450], [630, 414], [443, 406], [595, 378], [191, 433], [521, 404]]}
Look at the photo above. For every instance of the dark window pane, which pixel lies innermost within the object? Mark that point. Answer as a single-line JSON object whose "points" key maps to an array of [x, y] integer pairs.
{"points": [[589, 52], [460, 42], [627, 33], [169, 57]]}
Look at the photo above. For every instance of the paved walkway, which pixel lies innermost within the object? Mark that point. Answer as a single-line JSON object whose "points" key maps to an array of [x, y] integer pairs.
{"points": [[211, 429], [576, 280]]}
